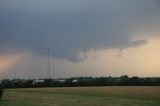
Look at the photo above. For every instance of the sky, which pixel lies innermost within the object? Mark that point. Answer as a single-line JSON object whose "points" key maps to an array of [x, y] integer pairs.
{"points": [[85, 37]]}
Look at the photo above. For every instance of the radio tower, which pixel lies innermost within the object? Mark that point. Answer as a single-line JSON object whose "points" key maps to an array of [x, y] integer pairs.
{"points": [[15, 73], [53, 71], [48, 64]]}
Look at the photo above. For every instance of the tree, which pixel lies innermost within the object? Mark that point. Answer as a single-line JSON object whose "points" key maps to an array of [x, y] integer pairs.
{"points": [[1, 92]]}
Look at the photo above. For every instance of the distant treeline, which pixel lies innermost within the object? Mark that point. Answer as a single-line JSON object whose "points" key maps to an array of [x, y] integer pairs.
{"points": [[81, 81]]}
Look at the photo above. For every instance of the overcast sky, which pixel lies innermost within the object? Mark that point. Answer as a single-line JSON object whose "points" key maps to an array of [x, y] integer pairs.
{"points": [[85, 37]]}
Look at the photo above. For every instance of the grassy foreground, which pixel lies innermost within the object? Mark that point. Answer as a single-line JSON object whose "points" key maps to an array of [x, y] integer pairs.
{"points": [[82, 96]]}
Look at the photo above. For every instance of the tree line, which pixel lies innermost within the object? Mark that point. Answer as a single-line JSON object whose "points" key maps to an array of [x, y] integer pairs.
{"points": [[81, 81]]}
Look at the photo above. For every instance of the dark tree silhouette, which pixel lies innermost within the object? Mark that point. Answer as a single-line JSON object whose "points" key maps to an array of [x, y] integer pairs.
{"points": [[82, 81], [1, 92]]}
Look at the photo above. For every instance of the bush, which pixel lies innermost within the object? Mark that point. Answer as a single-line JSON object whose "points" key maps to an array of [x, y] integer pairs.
{"points": [[1, 92]]}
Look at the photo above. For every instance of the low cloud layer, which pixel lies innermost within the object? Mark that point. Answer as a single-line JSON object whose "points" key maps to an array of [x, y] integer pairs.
{"points": [[69, 27]]}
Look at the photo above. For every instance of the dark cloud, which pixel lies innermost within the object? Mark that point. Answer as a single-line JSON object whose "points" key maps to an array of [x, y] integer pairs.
{"points": [[67, 27], [137, 43]]}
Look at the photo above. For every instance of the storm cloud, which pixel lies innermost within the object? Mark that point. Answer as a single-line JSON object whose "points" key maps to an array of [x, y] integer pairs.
{"points": [[73, 26]]}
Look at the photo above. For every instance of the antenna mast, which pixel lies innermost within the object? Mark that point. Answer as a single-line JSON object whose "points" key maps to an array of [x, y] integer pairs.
{"points": [[53, 71], [15, 73], [48, 64]]}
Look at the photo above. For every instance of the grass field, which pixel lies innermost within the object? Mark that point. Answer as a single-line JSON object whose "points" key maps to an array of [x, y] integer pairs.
{"points": [[82, 96]]}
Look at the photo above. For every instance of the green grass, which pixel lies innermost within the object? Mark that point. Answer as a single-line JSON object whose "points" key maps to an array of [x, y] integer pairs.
{"points": [[83, 96]]}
